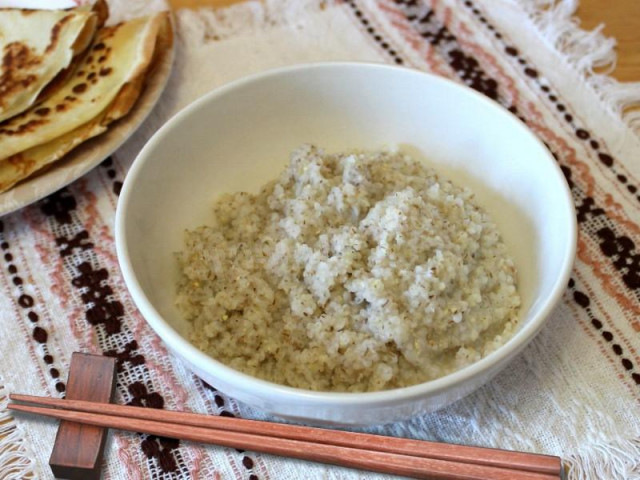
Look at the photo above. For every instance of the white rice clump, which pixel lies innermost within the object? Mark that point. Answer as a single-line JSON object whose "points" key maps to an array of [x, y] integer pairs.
{"points": [[352, 272]]}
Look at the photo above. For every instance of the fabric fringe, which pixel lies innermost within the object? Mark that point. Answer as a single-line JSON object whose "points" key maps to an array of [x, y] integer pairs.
{"points": [[619, 459], [15, 463], [589, 52]]}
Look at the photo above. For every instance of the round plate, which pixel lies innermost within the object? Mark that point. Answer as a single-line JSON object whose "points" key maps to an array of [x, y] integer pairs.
{"points": [[89, 154]]}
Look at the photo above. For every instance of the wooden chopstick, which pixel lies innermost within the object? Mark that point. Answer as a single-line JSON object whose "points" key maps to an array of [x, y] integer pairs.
{"points": [[372, 452], [442, 451]]}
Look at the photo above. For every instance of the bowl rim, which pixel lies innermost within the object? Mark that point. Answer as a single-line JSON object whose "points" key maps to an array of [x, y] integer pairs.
{"points": [[178, 344]]}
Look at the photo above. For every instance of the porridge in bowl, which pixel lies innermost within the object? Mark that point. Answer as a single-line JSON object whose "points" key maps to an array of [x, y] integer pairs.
{"points": [[351, 272]]}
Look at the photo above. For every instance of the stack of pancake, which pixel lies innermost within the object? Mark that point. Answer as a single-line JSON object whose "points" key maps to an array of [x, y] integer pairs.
{"points": [[65, 77]]}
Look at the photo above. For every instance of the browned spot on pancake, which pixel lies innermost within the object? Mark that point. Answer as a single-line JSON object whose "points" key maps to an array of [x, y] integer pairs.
{"points": [[89, 59], [70, 98], [91, 76], [17, 58], [24, 165], [105, 71], [43, 111], [30, 125], [102, 59], [16, 55], [55, 33], [79, 88], [99, 46], [15, 159], [61, 107], [80, 73], [25, 127]]}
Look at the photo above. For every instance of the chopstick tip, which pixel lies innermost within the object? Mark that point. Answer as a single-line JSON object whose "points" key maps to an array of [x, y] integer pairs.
{"points": [[21, 397]]}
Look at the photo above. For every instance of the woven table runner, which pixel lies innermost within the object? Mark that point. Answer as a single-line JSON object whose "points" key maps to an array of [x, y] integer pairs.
{"points": [[574, 392]]}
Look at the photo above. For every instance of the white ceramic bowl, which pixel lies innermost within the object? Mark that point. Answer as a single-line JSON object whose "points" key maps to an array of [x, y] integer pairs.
{"points": [[239, 136]]}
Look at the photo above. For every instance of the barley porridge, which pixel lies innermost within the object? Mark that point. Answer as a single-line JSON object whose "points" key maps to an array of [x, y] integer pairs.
{"points": [[357, 271]]}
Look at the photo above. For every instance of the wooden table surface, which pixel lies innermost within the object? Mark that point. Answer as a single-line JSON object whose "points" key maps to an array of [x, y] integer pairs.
{"points": [[621, 19]]}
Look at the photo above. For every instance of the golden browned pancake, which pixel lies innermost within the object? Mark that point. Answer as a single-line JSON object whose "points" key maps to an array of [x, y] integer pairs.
{"points": [[38, 50], [119, 54], [157, 39]]}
